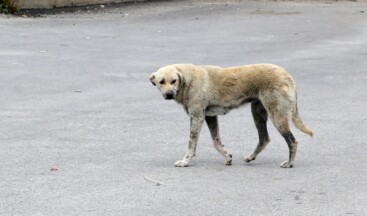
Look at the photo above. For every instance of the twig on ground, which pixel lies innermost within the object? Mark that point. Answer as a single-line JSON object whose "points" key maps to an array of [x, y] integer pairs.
{"points": [[158, 183]]}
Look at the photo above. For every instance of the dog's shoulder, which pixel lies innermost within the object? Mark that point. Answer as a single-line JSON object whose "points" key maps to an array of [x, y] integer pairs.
{"points": [[184, 67], [210, 67], [191, 72]]}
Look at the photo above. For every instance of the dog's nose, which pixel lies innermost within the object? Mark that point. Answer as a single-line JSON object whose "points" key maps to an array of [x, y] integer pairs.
{"points": [[169, 95]]}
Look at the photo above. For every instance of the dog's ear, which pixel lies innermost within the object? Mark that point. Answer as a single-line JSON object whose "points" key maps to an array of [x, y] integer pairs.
{"points": [[151, 78], [181, 79], [180, 76]]}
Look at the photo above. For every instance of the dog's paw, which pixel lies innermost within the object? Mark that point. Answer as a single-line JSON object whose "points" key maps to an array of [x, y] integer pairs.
{"points": [[181, 163], [286, 164], [229, 159], [248, 159]]}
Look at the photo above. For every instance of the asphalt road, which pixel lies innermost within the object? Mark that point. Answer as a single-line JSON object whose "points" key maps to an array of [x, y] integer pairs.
{"points": [[83, 132]]}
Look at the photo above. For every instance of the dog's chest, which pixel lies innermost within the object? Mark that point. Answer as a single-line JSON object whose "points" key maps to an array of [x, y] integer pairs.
{"points": [[214, 110]]}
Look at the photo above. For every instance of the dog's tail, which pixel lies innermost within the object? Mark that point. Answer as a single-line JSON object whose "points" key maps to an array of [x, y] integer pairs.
{"points": [[299, 124]]}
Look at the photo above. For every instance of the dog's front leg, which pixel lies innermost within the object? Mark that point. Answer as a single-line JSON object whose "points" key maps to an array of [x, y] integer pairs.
{"points": [[196, 121]]}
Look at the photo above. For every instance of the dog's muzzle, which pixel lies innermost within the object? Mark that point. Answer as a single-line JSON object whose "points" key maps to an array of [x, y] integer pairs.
{"points": [[169, 95]]}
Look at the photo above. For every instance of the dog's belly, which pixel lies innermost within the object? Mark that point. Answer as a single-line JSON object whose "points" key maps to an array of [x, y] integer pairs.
{"points": [[214, 110]]}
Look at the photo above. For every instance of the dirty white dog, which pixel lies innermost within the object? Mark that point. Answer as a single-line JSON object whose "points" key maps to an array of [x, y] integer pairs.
{"points": [[208, 91]]}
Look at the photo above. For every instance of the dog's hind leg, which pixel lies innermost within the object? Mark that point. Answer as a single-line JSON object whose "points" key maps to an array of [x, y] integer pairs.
{"points": [[282, 125], [260, 118], [212, 122]]}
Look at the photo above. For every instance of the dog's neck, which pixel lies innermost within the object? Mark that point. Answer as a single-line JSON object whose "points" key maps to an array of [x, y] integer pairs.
{"points": [[180, 97]]}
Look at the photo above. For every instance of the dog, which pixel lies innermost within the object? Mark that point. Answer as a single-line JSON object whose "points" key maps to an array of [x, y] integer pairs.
{"points": [[207, 91]]}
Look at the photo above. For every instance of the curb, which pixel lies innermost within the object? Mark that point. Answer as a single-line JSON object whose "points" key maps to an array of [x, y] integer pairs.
{"points": [[49, 4]]}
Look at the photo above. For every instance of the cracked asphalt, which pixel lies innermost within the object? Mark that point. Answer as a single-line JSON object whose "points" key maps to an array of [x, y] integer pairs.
{"points": [[83, 132]]}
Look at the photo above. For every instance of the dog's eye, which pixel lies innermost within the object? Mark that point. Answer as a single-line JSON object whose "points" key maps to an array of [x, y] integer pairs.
{"points": [[161, 82], [173, 81]]}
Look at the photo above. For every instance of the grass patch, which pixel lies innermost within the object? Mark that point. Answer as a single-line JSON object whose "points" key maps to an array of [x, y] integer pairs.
{"points": [[9, 7]]}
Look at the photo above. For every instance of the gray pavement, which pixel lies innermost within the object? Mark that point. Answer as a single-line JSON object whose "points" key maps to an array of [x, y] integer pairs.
{"points": [[82, 128]]}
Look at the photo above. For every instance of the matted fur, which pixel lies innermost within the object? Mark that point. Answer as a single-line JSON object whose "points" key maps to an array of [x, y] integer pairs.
{"points": [[207, 91]]}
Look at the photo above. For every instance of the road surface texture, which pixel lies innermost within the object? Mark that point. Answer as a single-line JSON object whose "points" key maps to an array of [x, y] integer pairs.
{"points": [[83, 131]]}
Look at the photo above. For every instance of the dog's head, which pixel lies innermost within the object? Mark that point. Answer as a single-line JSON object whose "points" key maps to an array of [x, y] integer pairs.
{"points": [[168, 80]]}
